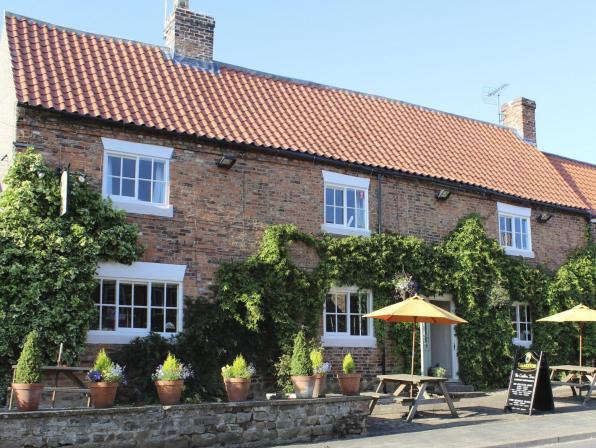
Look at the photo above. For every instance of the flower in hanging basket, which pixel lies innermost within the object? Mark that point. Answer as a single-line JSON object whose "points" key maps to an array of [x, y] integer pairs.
{"points": [[405, 286]]}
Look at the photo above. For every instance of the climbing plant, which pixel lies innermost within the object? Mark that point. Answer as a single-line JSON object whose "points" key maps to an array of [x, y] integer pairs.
{"points": [[271, 296], [48, 262]]}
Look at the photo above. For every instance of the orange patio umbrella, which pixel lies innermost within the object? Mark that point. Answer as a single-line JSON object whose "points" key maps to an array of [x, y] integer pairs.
{"points": [[580, 314], [415, 310]]}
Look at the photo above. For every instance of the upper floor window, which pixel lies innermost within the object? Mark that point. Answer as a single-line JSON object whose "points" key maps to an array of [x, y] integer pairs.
{"points": [[344, 324], [134, 300], [345, 204], [521, 319], [136, 177], [514, 230]]}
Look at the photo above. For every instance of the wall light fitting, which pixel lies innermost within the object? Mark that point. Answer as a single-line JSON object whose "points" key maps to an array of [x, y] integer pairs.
{"points": [[442, 195], [543, 217], [226, 161]]}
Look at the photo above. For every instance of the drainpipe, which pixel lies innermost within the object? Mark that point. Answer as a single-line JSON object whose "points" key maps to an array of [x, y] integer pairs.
{"points": [[379, 230], [379, 205]]}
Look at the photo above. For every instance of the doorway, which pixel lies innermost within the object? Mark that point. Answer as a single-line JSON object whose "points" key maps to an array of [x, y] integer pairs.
{"points": [[439, 342]]}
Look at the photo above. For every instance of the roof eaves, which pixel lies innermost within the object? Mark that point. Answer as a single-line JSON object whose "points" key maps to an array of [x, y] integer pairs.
{"points": [[336, 161]]}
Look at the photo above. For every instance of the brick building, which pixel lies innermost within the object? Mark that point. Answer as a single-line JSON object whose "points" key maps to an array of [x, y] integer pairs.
{"points": [[203, 155]]}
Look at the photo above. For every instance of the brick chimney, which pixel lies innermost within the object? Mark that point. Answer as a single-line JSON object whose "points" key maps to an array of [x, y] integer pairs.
{"points": [[188, 33], [520, 114]]}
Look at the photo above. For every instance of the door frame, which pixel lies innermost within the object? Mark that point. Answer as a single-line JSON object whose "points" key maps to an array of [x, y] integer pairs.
{"points": [[453, 343]]}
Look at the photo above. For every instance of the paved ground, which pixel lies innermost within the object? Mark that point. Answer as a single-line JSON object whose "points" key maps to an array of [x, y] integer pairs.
{"points": [[482, 423]]}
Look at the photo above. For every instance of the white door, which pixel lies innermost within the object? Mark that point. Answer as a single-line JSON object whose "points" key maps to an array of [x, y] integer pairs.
{"points": [[438, 343]]}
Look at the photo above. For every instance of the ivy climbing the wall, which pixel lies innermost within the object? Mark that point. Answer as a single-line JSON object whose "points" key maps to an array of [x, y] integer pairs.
{"points": [[272, 297], [48, 262]]}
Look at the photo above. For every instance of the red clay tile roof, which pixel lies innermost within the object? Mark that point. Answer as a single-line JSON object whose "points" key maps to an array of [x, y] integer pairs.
{"points": [[131, 82], [580, 176]]}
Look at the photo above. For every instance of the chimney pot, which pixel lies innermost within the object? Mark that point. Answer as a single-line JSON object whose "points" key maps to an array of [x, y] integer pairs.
{"points": [[520, 114], [188, 33]]}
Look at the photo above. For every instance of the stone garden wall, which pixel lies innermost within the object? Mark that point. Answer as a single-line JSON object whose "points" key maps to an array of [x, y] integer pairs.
{"points": [[248, 424]]}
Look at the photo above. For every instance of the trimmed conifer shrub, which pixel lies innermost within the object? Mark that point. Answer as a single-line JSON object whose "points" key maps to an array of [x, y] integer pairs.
{"points": [[300, 363], [29, 365]]}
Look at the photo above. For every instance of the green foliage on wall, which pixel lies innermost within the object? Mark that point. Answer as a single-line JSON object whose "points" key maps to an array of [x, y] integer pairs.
{"points": [[48, 262], [273, 298]]}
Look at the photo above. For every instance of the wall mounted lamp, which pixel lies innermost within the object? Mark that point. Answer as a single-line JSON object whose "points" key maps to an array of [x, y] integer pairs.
{"points": [[442, 195], [543, 217], [226, 161]]}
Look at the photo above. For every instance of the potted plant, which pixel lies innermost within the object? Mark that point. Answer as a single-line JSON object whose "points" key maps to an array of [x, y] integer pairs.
{"points": [[169, 380], [320, 370], [236, 379], [301, 368], [105, 377], [26, 386], [349, 381], [438, 371]]}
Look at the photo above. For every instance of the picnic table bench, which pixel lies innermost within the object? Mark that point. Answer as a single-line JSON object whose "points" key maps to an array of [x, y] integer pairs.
{"points": [[69, 372], [422, 397], [578, 378]]}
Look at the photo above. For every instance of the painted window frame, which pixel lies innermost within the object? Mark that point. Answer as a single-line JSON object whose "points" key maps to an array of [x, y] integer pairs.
{"points": [[139, 273], [137, 151], [518, 322], [345, 182], [515, 212], [345, 339]]}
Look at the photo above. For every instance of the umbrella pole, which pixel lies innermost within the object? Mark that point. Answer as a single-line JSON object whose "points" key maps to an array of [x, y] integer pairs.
{"points": [[581, 341], [413, 355]]}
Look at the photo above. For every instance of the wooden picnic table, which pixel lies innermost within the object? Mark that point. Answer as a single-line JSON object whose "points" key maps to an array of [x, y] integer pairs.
{"points": [[578, 377], [69, 372], [422, 397]]}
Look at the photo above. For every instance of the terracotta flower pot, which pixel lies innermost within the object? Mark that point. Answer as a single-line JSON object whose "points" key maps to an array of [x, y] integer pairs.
{"points": [[303, 385], [349, 383], [169, 392], [320, 385], [237, 388], [27, 396], [103, 394]]}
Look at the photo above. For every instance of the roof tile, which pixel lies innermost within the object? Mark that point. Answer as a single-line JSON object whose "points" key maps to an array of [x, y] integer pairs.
{"points": [[125, 81]]}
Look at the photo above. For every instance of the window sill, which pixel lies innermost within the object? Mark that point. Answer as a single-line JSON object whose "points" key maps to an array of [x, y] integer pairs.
{"points": [[342, 230], [119, 336], [525, 344], [143, 208], [349, 341], [519, 252]]}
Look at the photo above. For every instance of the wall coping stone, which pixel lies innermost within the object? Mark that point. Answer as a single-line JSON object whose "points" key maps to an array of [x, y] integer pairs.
{"points": [[214, 406]]}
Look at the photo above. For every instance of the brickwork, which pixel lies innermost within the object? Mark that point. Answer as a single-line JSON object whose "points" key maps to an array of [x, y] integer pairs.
{"points": [[7, 109], [190, 34], [219, 214], [520, 114]]}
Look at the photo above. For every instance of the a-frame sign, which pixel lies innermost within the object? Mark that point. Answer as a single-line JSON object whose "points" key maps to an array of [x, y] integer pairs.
{"points": [[529, 384]]}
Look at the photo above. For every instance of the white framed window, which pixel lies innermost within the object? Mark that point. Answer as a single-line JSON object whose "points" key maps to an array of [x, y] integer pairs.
{"points": [[345, 200], [343, 321], [137, 177], [521, 319], [515, 233], [133, 300]]}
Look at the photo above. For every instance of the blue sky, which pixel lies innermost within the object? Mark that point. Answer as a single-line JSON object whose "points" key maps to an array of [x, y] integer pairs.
{"points": [[435, 53]]}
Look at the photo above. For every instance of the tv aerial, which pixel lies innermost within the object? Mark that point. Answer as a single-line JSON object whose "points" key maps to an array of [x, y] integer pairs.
{"points": [[492, 96]]}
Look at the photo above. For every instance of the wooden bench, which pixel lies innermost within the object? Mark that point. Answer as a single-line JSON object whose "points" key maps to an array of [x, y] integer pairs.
{"points": [[69, 372], [578, 378], [422, 397]]}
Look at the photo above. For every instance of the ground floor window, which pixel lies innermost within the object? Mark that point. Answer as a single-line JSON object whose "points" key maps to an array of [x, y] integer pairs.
{"points": [[134, 300], [521, 320], [147, 306], [344, 323]]}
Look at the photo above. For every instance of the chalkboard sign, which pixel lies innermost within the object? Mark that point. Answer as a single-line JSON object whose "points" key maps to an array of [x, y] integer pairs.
{"points": [[529, 385]]}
